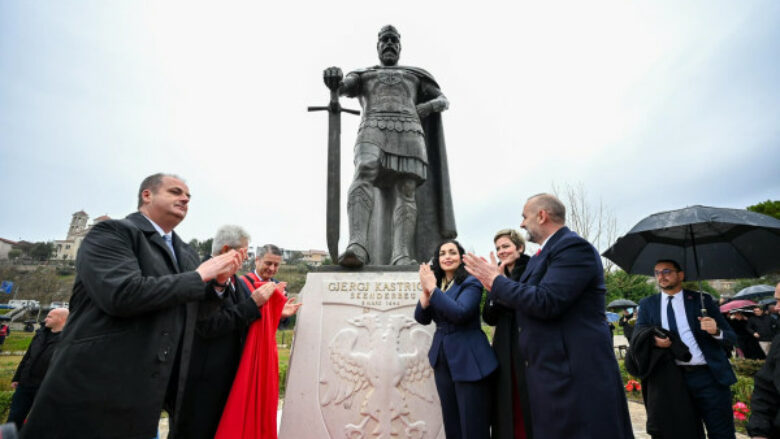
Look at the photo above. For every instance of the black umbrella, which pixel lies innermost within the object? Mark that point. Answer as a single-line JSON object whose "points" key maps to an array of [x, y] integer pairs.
{"points": [[755, 291], [621, 303], [708, 242], [765, 302]]}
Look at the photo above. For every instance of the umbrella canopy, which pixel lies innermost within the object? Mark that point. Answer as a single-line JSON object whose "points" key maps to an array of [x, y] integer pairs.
{"points": [[708, 242], [769, 301], [612, 317], [755, 291], [736, 304], [621, 303]]}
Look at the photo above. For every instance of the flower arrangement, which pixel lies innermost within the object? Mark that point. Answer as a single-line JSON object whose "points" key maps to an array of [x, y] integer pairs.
{"points": [[741, 411], [633, 386]]}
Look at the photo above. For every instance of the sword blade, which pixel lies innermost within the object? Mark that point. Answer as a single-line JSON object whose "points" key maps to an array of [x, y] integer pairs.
{"points": [[334, 181]]}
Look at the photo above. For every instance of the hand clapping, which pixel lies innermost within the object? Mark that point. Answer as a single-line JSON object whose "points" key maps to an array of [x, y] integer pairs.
{"points": [[428, 283], [290, 308], [221, 267], [485, 272]]}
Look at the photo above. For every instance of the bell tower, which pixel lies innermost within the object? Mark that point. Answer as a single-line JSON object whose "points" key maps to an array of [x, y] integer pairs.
{"points": [[77, 224]]}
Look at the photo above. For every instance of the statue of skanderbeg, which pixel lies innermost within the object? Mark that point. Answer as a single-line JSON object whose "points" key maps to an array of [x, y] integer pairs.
{"points": [[399, 203]]}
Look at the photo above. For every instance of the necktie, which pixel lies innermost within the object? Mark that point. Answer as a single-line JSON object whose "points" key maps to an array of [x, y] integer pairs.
{"points": [[670, 316], [538, 251], [169, 241]]}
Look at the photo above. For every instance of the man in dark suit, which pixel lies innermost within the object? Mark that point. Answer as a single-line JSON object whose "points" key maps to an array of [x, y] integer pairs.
{"points": [[127, 343], [34, 365], [708, 374], [574, 384], [223, 320]]}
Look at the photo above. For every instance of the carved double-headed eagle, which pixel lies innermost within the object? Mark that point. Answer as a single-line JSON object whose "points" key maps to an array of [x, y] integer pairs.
{"points": [[388, 374]]}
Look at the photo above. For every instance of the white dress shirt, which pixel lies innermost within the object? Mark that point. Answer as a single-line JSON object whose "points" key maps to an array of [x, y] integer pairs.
{"points": [[686, 334]]}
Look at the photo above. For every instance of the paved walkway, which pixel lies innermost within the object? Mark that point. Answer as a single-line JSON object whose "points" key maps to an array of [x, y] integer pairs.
{"points": [[636, 410]]}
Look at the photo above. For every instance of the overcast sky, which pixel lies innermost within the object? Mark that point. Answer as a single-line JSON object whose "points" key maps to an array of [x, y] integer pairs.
{"points": [[650, 106]]}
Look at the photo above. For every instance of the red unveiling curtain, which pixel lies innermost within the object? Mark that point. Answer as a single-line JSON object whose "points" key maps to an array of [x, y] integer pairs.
{"points": [[250, 411]]}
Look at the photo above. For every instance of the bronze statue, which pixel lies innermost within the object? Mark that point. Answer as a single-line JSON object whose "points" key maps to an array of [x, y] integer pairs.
{"points": [[399, 203]]}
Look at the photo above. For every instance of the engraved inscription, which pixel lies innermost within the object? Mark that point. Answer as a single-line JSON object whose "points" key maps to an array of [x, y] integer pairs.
{"points": [[377, 295]]}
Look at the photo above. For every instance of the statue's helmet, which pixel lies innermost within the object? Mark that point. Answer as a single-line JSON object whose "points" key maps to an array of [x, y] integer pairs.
{"points": [[389, 29]]}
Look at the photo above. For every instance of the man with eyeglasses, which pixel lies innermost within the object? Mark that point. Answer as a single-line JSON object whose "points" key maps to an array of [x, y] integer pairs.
{"points": [[708, 374]]}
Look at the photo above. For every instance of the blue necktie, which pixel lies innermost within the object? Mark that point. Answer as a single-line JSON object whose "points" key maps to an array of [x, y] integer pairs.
{"points": [[169, 241], [670, 316]]}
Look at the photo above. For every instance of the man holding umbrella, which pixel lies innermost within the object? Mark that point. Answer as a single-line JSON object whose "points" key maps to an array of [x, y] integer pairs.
{"points": [[708, 375]]}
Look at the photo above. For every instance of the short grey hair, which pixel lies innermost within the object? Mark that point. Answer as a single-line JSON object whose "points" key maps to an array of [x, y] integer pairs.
{"points": [[231, 236], [552, 205], [268, 248], [153, 183]]}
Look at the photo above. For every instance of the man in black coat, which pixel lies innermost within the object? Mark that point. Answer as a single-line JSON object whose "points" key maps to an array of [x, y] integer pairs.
{"points": [[127, 344], [764, 419], [34, 365], [625, 323], [223, 320], [762, 327]]}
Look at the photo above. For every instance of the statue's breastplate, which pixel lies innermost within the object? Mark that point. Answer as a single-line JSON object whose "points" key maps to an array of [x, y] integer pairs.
{"points": [[390, 92]]}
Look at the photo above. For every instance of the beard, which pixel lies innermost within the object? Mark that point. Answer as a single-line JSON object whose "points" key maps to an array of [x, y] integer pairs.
{"points": [[530, 237], [389, 57]]}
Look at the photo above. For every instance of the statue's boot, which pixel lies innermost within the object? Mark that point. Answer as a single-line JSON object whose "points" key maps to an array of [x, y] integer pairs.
{"points": [[355, 256], [359, 206], [404, 222]]}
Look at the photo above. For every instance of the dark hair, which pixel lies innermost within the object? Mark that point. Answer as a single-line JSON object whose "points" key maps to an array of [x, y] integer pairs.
{"points": [[268, 248], [669, 261], [552, 205], [460, 273], [153, 183]]}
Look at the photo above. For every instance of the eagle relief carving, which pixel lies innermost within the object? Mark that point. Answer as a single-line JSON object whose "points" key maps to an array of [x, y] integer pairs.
{"points": [[370, 355]]}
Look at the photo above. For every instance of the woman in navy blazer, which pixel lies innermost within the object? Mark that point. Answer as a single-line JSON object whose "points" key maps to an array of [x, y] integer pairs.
{"points": [[460, 355]]}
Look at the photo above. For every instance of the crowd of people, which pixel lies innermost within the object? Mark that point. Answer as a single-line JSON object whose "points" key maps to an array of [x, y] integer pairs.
{"points": [[152, 327], [755, 326]]}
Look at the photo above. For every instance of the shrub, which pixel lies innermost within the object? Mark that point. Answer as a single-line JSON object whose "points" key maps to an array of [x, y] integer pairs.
{"points": [[5, 403], [742, 390], [743, 366]]}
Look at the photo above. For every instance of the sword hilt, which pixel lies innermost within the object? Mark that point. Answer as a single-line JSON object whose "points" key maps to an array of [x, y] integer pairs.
{"points": [[334, 106], [339, 110]]}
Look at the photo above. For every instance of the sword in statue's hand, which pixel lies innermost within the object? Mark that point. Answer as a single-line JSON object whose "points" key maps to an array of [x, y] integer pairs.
{"points": [[333, 77]]}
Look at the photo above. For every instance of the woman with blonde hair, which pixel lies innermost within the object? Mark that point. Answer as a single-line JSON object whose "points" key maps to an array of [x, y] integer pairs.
{"points": [[511, 418]]}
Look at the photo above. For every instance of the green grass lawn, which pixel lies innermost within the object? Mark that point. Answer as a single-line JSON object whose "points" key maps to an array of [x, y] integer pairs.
{"points": [[17, 341]]}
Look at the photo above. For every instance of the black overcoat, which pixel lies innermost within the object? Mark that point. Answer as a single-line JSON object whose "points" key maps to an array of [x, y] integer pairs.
{"points": [[671, 413], [35, 362], [132, 318], [573, 379], [505, 344], [765, 402], [216, 352]]}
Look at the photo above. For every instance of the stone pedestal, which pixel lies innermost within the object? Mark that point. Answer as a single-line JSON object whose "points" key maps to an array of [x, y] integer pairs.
{"points": [[359, 362]]}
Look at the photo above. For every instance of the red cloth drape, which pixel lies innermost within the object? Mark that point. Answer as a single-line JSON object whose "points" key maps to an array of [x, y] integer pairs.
{"points": [[250, 411]]}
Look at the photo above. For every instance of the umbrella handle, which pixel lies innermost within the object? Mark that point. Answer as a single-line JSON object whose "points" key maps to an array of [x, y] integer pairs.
{"points": [[704, 312]]}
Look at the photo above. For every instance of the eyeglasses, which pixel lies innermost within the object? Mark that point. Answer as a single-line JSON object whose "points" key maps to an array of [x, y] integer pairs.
{"points": [[665, 272]]}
